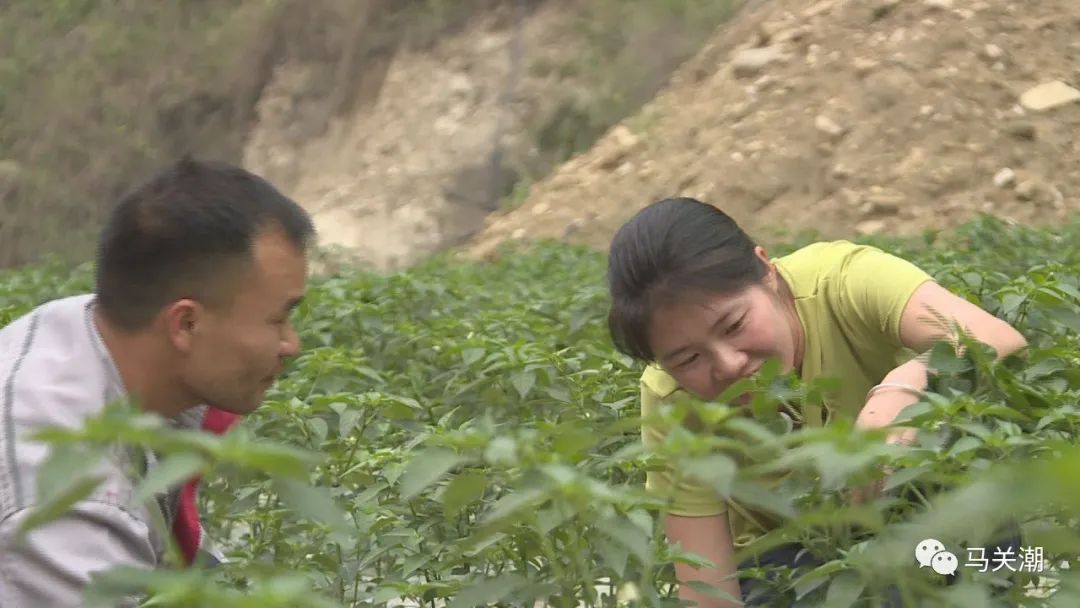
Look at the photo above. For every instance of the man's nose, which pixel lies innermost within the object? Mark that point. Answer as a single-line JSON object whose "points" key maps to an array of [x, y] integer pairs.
{"points": [[290, 345]]}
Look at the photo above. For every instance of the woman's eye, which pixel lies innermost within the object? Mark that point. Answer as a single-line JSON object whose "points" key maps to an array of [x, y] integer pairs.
{"points": [[687, 361], [737, 325]]}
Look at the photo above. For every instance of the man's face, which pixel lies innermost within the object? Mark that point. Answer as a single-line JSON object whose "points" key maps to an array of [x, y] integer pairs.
{"points": [[709, 341], [236, 352]]}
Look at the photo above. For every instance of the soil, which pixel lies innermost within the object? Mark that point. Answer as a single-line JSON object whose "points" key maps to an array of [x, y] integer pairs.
{"points": [[842, 118], [439, 134], [409, 169]]}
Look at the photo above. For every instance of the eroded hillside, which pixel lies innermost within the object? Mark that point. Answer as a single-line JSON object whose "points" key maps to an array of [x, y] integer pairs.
{"points": [[844, 118]]}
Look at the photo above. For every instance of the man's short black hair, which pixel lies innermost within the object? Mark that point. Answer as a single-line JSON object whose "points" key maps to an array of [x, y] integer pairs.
{"points": [[180, 233]]}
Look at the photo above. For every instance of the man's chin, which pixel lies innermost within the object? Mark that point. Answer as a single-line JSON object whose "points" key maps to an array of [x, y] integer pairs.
{"points": [[241, 408], [742, 400]]}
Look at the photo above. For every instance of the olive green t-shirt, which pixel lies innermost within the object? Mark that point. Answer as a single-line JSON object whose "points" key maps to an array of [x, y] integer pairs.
{"points": [[849, 299]]}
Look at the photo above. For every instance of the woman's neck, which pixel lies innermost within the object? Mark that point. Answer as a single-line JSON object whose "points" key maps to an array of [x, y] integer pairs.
{"points": [[798, 333]]}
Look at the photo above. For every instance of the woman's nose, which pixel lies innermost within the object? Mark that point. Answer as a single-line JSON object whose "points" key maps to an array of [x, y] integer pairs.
{"points": [[728, 363]]}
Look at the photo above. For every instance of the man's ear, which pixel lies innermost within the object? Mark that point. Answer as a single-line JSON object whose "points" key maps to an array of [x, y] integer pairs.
{"points": [[182, 321]]}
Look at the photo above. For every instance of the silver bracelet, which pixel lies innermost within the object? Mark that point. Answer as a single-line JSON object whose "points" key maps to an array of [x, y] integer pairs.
{"points": [[908, 388]]}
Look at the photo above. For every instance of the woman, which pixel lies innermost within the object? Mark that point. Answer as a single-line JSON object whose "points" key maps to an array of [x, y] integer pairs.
{"points": [[705, 306]]}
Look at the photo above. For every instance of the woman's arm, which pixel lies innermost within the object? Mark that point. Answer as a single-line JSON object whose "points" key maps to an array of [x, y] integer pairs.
{"points": [[919, 331], [710, 538]]}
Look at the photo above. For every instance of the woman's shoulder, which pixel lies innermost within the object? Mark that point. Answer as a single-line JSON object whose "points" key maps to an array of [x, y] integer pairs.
{"points": [[823, 254], [658, 382], [825, 261]]}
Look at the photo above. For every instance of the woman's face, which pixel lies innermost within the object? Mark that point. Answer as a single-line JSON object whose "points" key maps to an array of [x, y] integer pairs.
{"points": [[709, 341]]}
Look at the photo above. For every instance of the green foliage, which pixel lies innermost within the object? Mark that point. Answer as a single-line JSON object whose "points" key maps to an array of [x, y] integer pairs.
{"points": [[478, 443], [94, 95]]}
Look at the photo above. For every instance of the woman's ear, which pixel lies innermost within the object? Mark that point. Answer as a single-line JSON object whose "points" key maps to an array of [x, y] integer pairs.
{"points": [[770, 268], [762, 255]]}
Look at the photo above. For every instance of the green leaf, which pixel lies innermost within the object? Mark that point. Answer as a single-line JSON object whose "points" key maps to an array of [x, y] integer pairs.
{"points": [[552, 517], [347, 420], [170, 472], [270, 457], [810, 581], [488, 591], [319, 429], [1005, 412], [964, 444], [612, 555], [311, 502], [711, 591], [59, 504], [425, 469], [943, 358], [511, 504], [1043, 368], [385, 594], [570, 440], [55, 475], [523, 381], [717, 470], [978, 430], [463, 490], [755, 494], [558, 393], [905, 475], [1011, 303], [471, 355], [628, 536], [844, 590]]}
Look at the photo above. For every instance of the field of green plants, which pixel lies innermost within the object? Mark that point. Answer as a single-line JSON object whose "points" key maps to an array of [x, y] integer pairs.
{"points": [[465, 435]]}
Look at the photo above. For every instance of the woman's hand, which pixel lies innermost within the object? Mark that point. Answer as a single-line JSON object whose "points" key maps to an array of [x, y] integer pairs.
{"points": [[901, 388]]}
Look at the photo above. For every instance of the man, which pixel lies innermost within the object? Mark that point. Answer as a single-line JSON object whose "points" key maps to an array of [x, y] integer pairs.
{"points": [[197, 272]]}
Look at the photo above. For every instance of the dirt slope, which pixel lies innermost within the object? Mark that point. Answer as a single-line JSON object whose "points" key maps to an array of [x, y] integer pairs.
{"points": [[444, 131], [844, 117], [398, 177]]}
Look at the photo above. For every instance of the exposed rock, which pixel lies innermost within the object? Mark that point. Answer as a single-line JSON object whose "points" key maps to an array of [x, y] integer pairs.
{"points": [[1004, 178], [993, 52], [750, 62], [829, 127], [870, 227], [1048, 96], [1038, 191]]}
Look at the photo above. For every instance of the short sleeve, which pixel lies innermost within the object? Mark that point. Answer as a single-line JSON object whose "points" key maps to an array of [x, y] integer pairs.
{"points": [[685, 496], [872, 290]]}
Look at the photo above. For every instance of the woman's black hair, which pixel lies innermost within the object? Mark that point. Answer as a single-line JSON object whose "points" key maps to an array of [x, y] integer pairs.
{"points": [[669, 249]]}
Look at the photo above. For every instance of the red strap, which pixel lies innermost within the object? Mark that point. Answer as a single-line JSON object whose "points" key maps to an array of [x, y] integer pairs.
{"points": [[186, 527]]}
